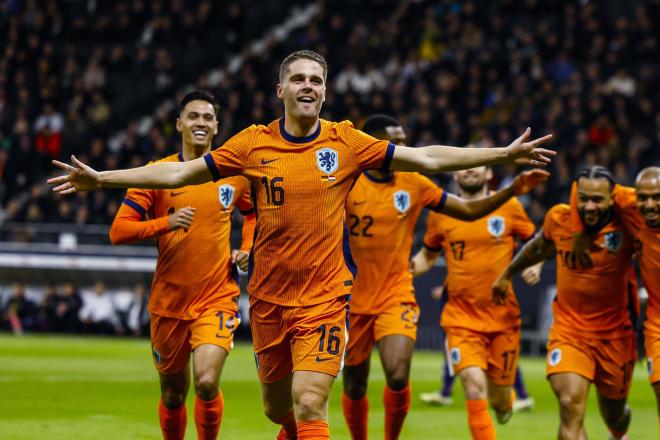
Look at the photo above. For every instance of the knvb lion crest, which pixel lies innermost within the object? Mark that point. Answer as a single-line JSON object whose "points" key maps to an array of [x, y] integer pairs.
{"points": [[327, 160], [402, 201], [226, 195], [496, 226], [613, 241]]}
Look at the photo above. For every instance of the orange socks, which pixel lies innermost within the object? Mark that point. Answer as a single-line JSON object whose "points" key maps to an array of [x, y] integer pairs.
{"points": [[313, 430], [172, 421], [208, 416], [289, 429], [481, 425], [397, 404], [355, 414]]}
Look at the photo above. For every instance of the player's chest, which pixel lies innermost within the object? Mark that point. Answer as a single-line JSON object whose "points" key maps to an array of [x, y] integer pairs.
{"points": [[212, 199], [613, 248], [389, 204], [493, 229], [305, 175]]}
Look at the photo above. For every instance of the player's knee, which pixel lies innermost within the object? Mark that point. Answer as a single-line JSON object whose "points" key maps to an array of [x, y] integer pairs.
{"points": [[206, 388], [397, 381], [571, 406], [474, 389], [173, 399], [274, 412], [355, 389], [310, 404]]}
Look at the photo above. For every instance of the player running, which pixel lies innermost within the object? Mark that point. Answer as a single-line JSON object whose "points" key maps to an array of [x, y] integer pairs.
{"points": [[301, 169], [382, 210], [482, 342], [639, 209], [592, 337], [194, 296]]}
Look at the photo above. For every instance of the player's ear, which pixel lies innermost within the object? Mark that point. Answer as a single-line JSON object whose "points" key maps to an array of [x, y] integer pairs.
{"points": [[279, 90], [178, 125]]}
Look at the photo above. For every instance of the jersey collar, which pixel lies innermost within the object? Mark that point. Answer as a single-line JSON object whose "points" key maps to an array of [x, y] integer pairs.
{"points": [[377, 180], [297, 139]]}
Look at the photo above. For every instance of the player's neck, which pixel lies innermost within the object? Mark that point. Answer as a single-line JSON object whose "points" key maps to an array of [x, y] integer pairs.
{"points": [[469, 195], [190, 152], [300, 127]]}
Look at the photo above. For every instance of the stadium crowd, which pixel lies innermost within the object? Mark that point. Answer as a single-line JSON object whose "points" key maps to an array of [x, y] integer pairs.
{"points": [[453, 72]]}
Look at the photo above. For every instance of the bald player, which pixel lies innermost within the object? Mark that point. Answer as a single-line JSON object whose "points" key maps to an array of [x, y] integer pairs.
{"points": [[482, 342], [301, 169], [639, 209], [193, 304], [382, 210], [591, 339]]}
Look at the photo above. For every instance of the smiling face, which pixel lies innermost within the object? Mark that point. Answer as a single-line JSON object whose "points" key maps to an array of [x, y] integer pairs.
{"points": [[197, 124], [302, 89], [594, 201], [473, 180], [648, 198]]}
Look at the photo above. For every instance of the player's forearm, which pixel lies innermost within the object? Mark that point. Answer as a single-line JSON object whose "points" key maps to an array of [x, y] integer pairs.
{"points": [[157, 176], [535, 251], [478, 208], [440, 158]]}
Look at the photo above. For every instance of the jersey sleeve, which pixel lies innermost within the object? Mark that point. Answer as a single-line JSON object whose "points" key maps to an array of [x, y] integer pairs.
{"points": [[244, 202], [625, 205], [129, 226], [140, 200], [433, 237], [549, 224], [523, 227], [229, 159], [371, 153], [247, 232], [433, 197]]}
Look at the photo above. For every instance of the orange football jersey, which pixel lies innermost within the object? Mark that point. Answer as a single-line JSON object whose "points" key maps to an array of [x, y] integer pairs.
{"points": [[299, 186], [593, 301], [476, 253], [381, 217], [194, 269], [647, 247]]}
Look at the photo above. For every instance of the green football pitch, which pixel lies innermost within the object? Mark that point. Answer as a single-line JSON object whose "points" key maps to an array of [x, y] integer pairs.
{"points": [[95, 388]]}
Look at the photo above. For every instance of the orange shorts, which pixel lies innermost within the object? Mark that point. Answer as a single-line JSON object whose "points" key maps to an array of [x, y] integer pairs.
{"points": [[608, 363], [288, 339], [172, 339], [367, 329], [652, 347], [496, 353]]}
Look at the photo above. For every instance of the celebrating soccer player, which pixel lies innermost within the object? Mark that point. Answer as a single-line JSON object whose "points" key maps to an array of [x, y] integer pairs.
{"points": [[483, 343], [194, 297], [382, 210], [592, 337], [639, 209], [301, 169]]}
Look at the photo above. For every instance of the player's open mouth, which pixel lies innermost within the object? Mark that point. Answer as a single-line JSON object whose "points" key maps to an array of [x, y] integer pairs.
{"points": [[306, 99], [199, 134]]}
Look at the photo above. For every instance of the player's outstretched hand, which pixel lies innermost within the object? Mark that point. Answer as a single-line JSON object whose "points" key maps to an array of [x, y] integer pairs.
{"points": [[79, 177], [524, 152], [528, 180], [241, 259], [181, 218], [501, 289]]}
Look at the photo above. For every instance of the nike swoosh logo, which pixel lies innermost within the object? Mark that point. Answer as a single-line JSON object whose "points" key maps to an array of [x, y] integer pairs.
{"points": [[174, 194], [359, 203], [320, 359], [265, 162]]}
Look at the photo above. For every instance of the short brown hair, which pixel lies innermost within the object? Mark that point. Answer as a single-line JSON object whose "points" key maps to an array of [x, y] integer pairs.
{"points": [[303, 54]]}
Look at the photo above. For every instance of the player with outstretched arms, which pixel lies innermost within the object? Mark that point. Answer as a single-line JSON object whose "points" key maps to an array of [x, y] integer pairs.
{"points": [[301, 168]]}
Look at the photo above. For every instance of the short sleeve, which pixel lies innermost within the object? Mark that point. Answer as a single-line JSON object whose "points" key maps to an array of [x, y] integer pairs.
{"points": [[548, 225], [433, 238], [244, 202], [523, 227], [625, 205], [229, 159], [371, 153], [433, 197]]}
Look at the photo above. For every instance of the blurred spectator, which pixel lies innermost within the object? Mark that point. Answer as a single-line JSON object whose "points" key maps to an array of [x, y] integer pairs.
{"points": [[98, 313], [48, 129], [64, 308], [19, 313], [138, 314]]}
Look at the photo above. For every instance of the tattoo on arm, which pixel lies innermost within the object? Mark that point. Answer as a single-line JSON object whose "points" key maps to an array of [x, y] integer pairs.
{"points": [[534, 251]]}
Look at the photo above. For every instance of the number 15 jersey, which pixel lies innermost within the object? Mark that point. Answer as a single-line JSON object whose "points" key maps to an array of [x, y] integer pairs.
{"points": [[299, 187]]}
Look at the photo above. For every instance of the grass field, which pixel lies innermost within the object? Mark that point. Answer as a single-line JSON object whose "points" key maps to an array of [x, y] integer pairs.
{"points": [[92, 388]]}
